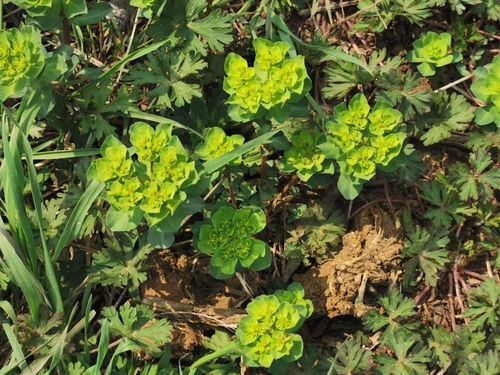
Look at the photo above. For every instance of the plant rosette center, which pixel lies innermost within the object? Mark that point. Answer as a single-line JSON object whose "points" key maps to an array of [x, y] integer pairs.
{"points": [[229, 239]]}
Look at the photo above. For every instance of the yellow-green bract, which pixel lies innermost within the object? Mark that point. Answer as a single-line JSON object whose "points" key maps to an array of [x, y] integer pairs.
{"points": [[267, 333], [217, 143], [272, 82], [21, 60], [432, 51], [229, 239], [487, 88], [304, 156], [360, 138], [153, 185]]}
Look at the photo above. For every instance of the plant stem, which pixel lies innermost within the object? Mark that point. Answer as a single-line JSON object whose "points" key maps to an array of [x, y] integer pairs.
{"points": [[228, 349]]}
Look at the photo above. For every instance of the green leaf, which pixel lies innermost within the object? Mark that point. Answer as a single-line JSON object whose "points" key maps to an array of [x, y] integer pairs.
{"points": [[168, 72], [408, 362], [449, 113], [428, 250], [484, 305], [350, 359], [448, 208], [123, 221], [215, 28], [118, 264], [397, 309], [138, 324], [349, 187], [94, 15], [477, 181], [72, 8]]}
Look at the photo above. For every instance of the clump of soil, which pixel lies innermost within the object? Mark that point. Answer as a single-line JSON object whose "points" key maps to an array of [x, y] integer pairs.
{"points": [[342, 285]]}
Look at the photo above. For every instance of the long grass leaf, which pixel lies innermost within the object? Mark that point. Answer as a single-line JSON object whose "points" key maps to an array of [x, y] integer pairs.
{"points": [[17, 357], [64, 154], [102, 348], [13, 185], [53, 283], [77, 217], [21, 275]]}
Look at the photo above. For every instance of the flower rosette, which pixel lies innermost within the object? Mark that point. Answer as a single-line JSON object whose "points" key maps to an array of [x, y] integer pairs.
{"points": [[362, 139], [269, 86], [433, 50], [229, 239], [267, 334], [305, 157], [217, 143], [22, 59], [147, 180]]}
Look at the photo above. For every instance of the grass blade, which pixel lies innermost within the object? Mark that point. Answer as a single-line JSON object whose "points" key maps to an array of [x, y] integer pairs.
{"points": [[54, 291], [65, 154], [78, 215], [13, 186], [21, 275]]}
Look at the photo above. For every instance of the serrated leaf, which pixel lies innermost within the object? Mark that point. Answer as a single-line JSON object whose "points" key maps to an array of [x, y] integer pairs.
{"points": [[138, 324]]}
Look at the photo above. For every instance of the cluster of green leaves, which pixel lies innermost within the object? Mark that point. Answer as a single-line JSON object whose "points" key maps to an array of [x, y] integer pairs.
{"points": [[432, 50], [151, 187], [414, 348], [360, 139], [229, 239], [267, 87]]}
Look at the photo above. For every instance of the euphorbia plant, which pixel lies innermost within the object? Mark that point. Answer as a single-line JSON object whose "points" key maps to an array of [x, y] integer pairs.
{"points": [[360, 139], [229, 238], [487, 88], [266, 336], [305, 157], [21, 60], [266, 88], [217, 143], [433, 50], [151, 187]]}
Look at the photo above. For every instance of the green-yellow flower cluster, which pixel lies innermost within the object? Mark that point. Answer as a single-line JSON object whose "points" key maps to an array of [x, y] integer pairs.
{"points": [[267, 333], [360, 138], [153, 183], [217, 143], [271, 82], [304, 156], [21, 60]]}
